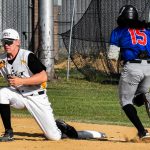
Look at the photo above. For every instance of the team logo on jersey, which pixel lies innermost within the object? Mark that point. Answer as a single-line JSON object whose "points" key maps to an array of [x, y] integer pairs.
{"points": [[23, 62]]}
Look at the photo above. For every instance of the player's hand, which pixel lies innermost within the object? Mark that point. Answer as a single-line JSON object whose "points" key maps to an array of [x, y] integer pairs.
{"points": [[15, 81]]}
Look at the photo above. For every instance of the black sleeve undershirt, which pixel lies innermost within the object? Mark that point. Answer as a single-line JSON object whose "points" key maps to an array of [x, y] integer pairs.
{"points": [[34, 64]]}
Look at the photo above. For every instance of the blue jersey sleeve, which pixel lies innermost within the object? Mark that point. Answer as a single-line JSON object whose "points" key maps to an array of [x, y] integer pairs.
{"points": [[114, 38]]}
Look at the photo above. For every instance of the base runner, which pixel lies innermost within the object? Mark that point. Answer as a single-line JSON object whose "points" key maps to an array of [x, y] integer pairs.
{"points": [[132, 39]]}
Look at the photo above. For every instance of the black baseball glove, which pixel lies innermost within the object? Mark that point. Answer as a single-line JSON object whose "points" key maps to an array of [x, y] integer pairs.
{"points": [[67, 129], [139, 99]]}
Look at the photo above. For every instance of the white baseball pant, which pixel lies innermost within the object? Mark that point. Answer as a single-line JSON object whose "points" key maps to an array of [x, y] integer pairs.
{"points": [[38, 105]]}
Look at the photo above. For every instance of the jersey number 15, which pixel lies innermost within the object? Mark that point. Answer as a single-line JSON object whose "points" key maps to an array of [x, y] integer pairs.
{"points": [[138, 36]]}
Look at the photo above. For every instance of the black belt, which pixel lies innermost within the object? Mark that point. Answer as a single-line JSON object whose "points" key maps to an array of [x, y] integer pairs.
{"points": [[40, 93], [137, 61]]}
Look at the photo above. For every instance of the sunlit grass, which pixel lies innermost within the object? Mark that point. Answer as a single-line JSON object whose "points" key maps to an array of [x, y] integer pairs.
{"points": [[79, 100]]}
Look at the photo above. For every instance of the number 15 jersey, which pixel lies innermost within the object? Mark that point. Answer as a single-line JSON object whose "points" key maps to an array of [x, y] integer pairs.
{"points": [[131, 42]]}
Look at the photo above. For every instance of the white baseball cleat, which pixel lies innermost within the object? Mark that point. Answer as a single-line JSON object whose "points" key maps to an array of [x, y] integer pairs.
{"points": [[144, 136]]}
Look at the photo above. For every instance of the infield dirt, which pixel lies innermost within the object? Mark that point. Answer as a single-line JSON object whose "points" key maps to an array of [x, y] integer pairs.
{"points": [[28, 136]]}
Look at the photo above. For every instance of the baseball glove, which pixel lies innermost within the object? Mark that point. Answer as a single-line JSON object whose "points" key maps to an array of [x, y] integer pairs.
{"points": [[139, 99], [142, 99], [67, 129], [2, 63]]}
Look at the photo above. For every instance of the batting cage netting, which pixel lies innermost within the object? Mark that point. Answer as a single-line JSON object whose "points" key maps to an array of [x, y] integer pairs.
{"points": [[90, 37]]}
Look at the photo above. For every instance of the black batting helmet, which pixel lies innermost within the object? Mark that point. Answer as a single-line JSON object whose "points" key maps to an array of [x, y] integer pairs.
{"points": [[128, 16], [128, 12]]}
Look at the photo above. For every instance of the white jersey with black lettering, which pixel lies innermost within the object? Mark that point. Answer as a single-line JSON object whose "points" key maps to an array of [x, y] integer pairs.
{"points": [[20, 68], [34, 98]]}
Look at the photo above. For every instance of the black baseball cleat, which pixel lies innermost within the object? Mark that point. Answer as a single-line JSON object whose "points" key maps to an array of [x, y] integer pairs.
{"points": [[66, 129], [7, 136], [144, 136]]}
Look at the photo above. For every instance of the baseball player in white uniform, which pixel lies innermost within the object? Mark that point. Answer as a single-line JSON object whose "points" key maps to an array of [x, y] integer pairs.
{"points": [[26, 77]]}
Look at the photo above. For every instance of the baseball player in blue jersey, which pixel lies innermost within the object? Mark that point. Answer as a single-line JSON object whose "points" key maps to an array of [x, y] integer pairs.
{"points": [[131, 40]]}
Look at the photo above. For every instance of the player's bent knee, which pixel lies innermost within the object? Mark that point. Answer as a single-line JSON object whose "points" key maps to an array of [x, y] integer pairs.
{"points": [[4, 96], [4, 91]]}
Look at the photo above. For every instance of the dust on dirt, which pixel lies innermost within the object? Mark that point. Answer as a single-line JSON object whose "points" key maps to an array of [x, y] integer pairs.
{"points": [[28, 136]]}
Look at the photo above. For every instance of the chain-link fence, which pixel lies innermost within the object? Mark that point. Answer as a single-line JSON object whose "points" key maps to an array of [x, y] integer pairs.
{"points": [[62, 23], [93, 23], [17, 14], [91, 33]]}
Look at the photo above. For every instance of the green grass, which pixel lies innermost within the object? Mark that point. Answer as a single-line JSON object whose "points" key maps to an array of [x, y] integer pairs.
{"points": [[83, 101]]}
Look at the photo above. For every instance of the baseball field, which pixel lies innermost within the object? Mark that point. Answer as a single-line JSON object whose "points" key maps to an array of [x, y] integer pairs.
{"points": [[28, 136], [86, 106]]}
